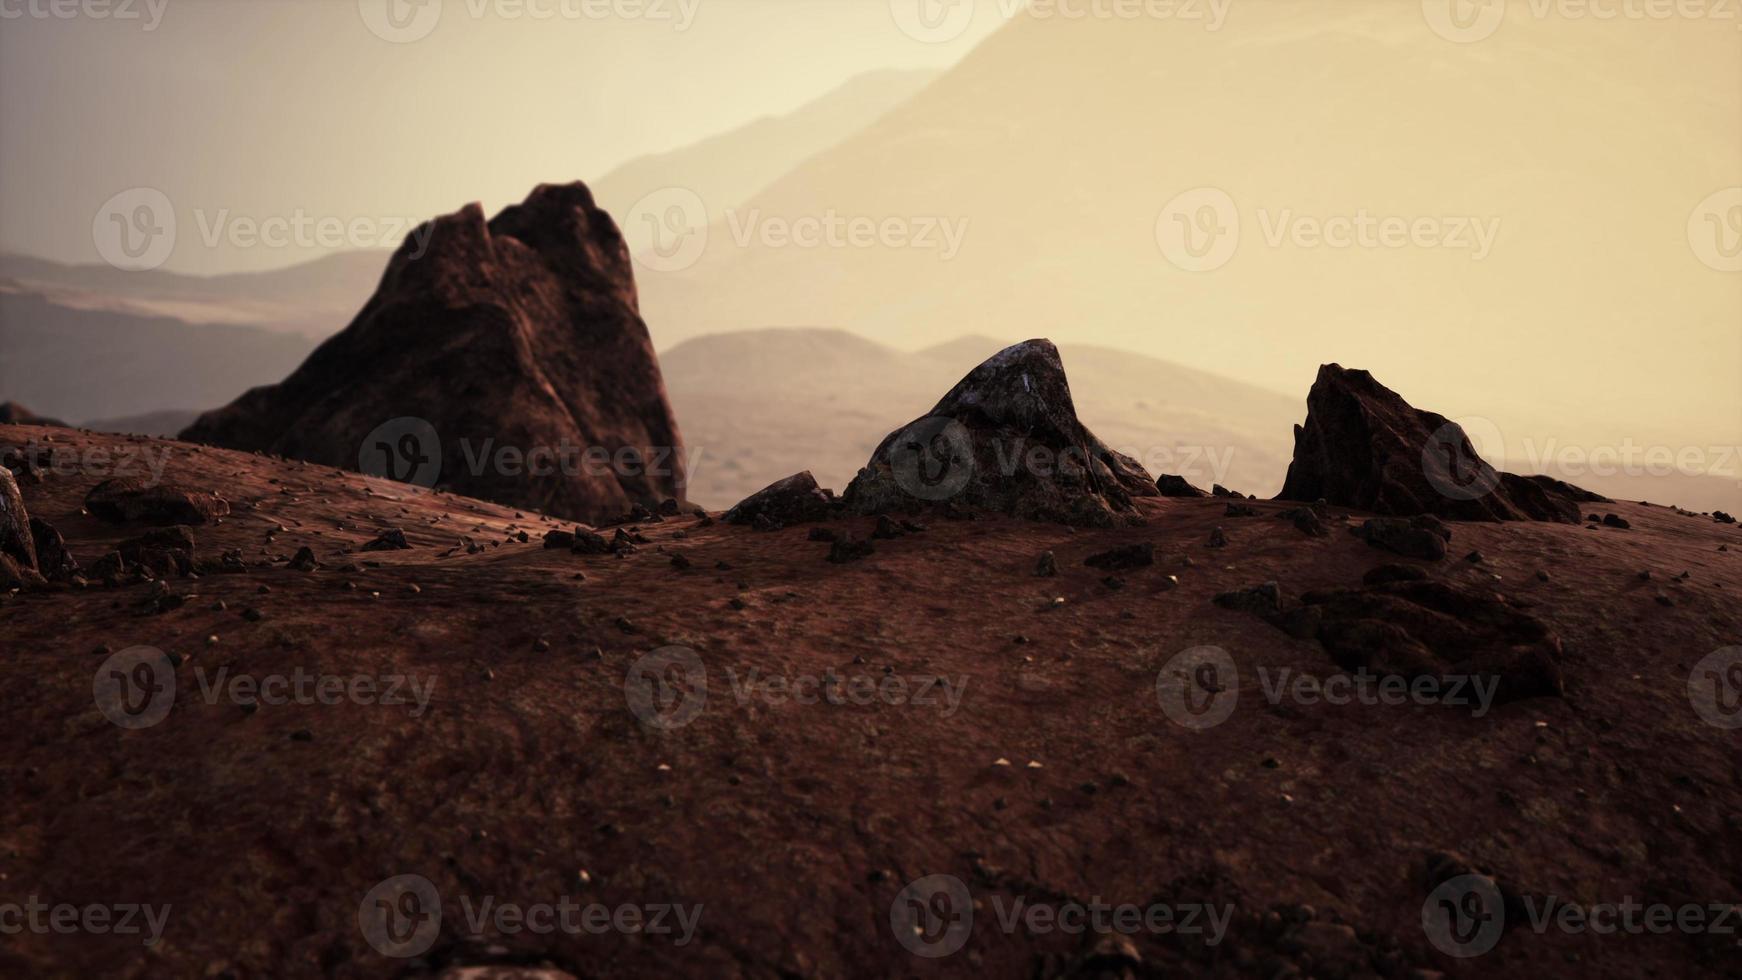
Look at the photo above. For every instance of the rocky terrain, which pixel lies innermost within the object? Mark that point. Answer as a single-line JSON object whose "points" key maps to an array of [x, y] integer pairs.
{"points": [[1057, 713], [518, 334]]}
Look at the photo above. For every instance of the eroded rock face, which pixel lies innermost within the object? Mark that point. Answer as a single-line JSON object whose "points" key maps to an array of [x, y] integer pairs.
{"points": [[1431, 628], [794, 500], [1364, 447], [16, 540], [1005, 439], [127, 500], [521, 334], [1170, 485], [53, 559]]}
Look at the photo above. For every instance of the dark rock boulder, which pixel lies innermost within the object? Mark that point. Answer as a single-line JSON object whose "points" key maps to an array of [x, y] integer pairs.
{"points": [[1262, 600], [505, 360], [1123, 558], [163, 552], [1176, 486], [135, 501], [846, 550], [392, 539], [1421, 537], [16, 540], [1364, 447], [1430, 628], [794, 500], [1005, 439], [53, 559]]}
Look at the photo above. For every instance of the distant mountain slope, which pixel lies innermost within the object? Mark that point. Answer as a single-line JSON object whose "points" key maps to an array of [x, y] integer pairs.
{"points": [[727, 169], [1306, 115], [760, 405], [82, 363], [313, 299]]}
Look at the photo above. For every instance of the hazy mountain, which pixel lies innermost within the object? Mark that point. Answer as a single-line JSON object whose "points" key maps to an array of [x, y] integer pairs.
{"points": [[1586, 315], [77, 363], [725, 170], [313, 299]]}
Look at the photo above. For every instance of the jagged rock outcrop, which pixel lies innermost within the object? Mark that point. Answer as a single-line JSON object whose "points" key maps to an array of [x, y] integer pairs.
{"points": [[1364, 447], [128, 500], [504, 359], [1170, 485], [794, 500], [18, 558], [1005, 439], [16, 541], [1427, 628]]}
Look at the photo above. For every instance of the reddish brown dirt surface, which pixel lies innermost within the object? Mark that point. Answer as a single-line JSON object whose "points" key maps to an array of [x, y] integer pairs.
{"points": [[795, 826]]}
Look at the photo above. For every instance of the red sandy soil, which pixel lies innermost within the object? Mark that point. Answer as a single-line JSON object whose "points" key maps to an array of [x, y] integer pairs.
{"points": [[796, 825]]}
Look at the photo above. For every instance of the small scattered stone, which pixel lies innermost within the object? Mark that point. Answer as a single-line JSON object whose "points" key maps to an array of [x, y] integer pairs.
{"points": [[1218, 538], [1047, 566]]}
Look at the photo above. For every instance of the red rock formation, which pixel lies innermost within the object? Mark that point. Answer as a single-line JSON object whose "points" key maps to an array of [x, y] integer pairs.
{"points": [[1363, 446], [1007, 439], [520, 335]]}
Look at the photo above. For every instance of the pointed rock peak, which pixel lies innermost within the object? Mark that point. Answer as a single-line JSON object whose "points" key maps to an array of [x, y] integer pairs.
{"points": [[793, 500], [1006, 439], [1364, 447], [505, 360], [1022, 385]]}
